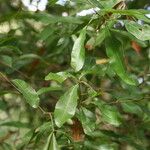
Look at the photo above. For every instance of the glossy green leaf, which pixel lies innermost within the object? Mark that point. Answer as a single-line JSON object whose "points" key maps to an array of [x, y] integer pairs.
{"points": [[115, 53], [109, 113], [141, 32], [66, 106], [28, 92], [78, 52], [51, 143], [59, 77]]}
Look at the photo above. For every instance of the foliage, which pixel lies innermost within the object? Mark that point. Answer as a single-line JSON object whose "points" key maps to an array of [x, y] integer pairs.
{"points": [[71, 81]]}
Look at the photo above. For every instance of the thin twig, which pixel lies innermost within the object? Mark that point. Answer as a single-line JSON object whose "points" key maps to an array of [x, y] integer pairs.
{"points": [[49, 114]]}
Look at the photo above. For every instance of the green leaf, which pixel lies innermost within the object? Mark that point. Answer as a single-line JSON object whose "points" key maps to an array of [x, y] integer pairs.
{"points": [[59, 77], [6, 60], [28, 92], [92, 92], [139, 14], [51, 19], [133, 108], [16, 124], [48, 89], [47, 126], [46, 32], [66, 106], [78, 52], [3, 104], [8, 48], [100, 37], [25, 140], [109, 3], [141, 32], [113, 50], [87, 118], [51, 143], [96, 3], [109, 113]]}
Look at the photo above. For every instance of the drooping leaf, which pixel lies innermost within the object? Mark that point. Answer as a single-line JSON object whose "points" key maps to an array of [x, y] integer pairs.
{"points": [[51, 143], [28, 92], [78, 52], [66, 106], [113, 50], [109, 113], [141, 32], [87, 119], [59, 77]]}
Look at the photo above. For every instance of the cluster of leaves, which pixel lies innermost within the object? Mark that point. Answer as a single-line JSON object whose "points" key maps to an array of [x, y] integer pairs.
{"points": [[85, 79]]}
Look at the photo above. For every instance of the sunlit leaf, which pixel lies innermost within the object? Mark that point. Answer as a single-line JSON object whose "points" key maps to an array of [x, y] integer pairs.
{"points": [[66, 106], [59, 77], [141, 32], [28, 92], [110, 114], [78, 52], [87, 119]]}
